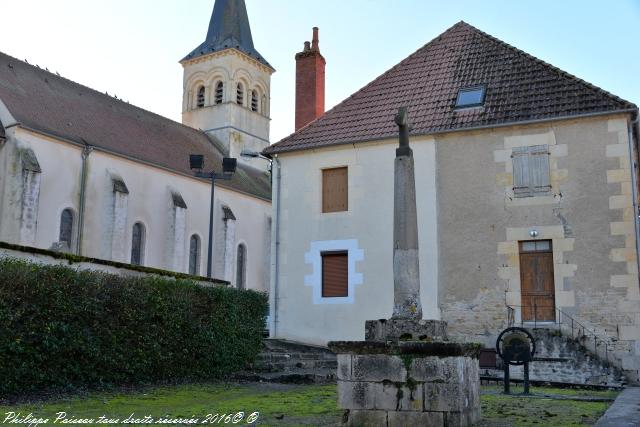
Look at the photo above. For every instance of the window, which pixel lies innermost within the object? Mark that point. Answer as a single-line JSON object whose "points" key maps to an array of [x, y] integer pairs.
{"points": [[201, 97], [531, 171], [241, 267], [194, 255], [470, 97], [335, 193], [137, 244], [219, 93], [240, 94], [335, 274], [254, 101], [66, 228]]}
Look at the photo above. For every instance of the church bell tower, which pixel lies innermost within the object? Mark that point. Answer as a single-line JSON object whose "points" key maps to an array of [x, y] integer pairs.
{"points": [[226, 85]]}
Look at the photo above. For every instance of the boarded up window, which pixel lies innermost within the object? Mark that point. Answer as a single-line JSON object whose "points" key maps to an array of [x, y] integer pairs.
{"points": [[531, 171], [335, 190], [201, 97], [335, 275], [219, 92]]}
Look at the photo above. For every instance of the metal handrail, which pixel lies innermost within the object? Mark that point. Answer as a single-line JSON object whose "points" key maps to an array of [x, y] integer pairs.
{"points": [[578, 329]]}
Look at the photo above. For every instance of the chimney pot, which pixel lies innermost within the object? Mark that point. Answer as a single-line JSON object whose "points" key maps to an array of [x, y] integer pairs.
{"points": [[307, 46], [314, 44]]}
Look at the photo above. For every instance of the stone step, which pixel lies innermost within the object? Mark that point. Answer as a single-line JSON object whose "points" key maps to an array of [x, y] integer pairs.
{"points": [[283, 357], [301, 376], [282, 346], [294, 365]]}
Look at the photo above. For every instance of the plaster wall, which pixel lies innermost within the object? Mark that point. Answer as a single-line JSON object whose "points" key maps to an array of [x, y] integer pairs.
{"points": [[365, 230], [148, 202]]}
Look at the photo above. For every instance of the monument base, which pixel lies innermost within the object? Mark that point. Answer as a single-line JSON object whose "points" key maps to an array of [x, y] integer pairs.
{"points": [[397, 382], [405, 330]]}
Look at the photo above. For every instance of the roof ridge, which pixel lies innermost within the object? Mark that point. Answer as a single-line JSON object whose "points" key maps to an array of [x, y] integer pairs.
{"points": [[102, 94], [362, 89], [548, 65]]}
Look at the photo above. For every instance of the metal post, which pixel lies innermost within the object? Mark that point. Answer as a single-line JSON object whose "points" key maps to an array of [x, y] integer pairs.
{"points": [[535, 314], [526, 377], [506, 377], [210, 251]]}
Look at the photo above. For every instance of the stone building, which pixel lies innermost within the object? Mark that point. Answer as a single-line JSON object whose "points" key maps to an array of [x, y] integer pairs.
{"points": [[90, 174], [526, 193]]}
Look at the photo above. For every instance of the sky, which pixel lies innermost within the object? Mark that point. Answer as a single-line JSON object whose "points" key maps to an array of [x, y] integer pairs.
{"points": [[131, 48]]}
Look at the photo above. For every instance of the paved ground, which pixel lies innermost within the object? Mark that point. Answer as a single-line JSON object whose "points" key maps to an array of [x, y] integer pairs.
{"points": [[625, 411]]}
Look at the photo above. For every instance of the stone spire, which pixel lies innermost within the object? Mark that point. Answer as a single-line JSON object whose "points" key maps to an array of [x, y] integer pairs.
{"points": [[228, 29]]}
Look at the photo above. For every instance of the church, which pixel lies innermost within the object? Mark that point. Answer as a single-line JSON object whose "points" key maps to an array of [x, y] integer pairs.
{"points": [[86, 173]]}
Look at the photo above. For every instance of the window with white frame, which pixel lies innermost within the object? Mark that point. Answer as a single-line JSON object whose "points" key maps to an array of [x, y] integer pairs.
{"points": [[531, 176]]}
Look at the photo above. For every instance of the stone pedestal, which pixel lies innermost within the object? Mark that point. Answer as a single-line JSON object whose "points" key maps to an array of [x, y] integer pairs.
{"points": [[407, 374]]}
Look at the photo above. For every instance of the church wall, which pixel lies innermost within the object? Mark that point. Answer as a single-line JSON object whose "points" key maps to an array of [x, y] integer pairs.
{"points": [[365, 231], [149, 201], [588, 217]]}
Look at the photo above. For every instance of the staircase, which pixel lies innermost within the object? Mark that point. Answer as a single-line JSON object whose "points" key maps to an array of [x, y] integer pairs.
{"points": [[568, 352], [293, 363]]}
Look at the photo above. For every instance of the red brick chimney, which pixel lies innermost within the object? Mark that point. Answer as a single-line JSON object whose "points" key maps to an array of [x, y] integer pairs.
{"points": [[309, 83]]}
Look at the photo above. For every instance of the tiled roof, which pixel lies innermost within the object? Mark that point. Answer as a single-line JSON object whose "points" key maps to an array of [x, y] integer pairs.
{"points": [[48, 103], [519, 88]]}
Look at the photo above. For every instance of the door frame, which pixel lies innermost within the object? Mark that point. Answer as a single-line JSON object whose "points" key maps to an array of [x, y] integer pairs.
{"points": [[549, 253]]}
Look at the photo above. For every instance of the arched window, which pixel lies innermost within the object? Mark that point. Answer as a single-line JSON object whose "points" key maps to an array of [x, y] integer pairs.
{"points": [[66, 228], [219, 92], [201, 97], [137, 244], [241, 267], [194, 255], [240, 94], [254, 101]]}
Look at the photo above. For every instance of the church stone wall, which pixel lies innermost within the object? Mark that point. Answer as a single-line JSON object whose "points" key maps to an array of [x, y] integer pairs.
{"points": [[588, 217], [146, 202]]}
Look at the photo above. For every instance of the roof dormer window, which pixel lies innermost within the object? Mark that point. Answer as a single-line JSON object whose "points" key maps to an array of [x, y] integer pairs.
{"points": [[471, 96]]}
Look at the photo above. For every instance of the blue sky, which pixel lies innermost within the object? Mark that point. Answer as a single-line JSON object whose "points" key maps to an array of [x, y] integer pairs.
{"points": [[131, 48]]}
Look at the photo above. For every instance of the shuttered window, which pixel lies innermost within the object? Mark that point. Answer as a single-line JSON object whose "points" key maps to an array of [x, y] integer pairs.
{"points": [[335, 275], [531, 171], [335, 190]]}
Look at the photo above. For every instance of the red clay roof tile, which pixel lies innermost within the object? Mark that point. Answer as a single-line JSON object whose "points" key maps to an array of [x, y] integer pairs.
{"points": [[519, 88]]}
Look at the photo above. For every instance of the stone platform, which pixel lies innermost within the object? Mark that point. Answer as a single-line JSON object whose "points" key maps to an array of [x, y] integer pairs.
{"points": [[407, 374]]}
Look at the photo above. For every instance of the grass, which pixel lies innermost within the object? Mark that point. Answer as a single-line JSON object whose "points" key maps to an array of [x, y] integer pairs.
{"points": [[299, 405]]}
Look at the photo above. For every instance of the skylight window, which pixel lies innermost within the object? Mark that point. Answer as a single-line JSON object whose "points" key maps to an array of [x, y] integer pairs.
{"points": [[470, 97]]}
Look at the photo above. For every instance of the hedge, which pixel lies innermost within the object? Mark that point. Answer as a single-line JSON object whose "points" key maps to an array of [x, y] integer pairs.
{"points": [[62, 328]]}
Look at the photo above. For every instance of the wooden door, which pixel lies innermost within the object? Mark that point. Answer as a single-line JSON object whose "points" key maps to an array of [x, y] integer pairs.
{"points": [[536, 281]]}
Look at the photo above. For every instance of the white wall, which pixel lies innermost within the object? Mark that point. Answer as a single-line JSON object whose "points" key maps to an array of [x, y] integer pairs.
{"points": [[366, 230], [148, 202]]}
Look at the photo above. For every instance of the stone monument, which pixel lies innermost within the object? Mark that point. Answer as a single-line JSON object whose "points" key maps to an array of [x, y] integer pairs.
{"points": [[407, 372]]}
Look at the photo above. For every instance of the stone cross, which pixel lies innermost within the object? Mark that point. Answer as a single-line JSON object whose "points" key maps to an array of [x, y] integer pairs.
{"points": [[406, 269]]}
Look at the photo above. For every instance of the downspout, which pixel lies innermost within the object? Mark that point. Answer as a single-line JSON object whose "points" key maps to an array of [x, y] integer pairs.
{"points": [[86, 151], [276, 276], [633, 153]]}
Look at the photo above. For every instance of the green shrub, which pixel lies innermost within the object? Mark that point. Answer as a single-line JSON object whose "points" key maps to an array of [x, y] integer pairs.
{"points": [[63, 328]]}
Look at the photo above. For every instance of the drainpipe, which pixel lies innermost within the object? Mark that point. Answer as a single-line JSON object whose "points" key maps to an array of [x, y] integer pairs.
{"points": [[276, 278], [634, 187], [86, 151]]}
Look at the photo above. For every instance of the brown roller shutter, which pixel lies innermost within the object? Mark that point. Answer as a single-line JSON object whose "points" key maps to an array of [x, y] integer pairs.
{"points": [[335, 190], [335, 275]]}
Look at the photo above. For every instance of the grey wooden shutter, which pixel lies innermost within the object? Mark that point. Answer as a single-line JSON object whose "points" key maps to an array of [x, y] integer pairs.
{"points": [[521, 176], [335, 275], [539, 168]]}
